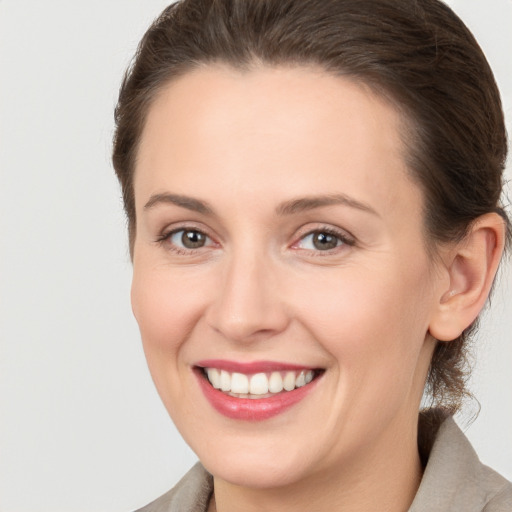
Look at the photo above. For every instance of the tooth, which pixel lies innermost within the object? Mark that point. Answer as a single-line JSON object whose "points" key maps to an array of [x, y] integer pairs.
{"points": [[301, 380], [275, 383], [289, 381], [213, 377], [239, 383], [225, 380], [258, 384]]}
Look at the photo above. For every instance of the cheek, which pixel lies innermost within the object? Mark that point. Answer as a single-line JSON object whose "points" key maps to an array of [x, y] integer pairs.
{"points": [[365, 318], [374, 329], [166, 309]]}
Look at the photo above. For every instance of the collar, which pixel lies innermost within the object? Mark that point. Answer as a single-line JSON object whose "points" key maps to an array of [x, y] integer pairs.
{"points": [[455, 479]]}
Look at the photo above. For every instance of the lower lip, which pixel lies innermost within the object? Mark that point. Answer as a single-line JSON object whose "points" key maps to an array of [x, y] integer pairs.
{"points": [[248, 409]]}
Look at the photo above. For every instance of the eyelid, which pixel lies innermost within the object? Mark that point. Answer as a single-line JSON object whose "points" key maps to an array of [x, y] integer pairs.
{"points": [[343, 235], [346, 238], [164, 237]]}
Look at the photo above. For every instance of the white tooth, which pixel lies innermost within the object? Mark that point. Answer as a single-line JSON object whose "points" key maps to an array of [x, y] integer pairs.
{"points": [[239, 383], [275, 383], [309, 376], [213, 377], [289, 381], [258, 384], [301, 380], [225, 380]]}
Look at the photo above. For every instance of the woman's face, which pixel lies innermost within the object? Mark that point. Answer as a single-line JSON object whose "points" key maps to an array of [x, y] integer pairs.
{"points": [[279, 240]]}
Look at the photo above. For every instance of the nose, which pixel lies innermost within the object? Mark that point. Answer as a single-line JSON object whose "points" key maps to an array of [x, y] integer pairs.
{"points": [[248, 304]]}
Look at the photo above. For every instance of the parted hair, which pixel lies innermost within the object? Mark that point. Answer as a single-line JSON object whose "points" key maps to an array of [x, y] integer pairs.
{"points": [[416, 54]]}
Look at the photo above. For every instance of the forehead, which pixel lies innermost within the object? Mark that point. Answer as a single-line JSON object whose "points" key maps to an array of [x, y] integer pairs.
{"points": [[268, 127]]}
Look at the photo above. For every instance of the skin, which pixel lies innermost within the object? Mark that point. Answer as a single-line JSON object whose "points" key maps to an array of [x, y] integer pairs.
{"points": [[247, 143]]}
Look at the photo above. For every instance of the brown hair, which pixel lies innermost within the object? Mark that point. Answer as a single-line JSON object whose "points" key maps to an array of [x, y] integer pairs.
{"points": [[417, 53]]}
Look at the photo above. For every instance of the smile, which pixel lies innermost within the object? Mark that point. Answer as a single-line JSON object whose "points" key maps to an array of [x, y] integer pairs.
{"points": [[258, 385], [254, 391]]}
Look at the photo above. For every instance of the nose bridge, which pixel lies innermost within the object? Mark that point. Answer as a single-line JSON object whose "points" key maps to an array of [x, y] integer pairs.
{"points": [[247, 304]]}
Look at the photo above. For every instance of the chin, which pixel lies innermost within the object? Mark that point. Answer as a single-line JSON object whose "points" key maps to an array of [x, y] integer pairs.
{"points": [[256, 471], [251, 457]]}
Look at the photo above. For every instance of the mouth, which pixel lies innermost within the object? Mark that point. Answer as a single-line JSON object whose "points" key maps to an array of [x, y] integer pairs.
{"points": [[254, 391], [258, 385]]}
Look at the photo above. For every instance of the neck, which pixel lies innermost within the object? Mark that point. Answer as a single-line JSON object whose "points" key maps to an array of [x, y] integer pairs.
{"points": [[384, 479]]}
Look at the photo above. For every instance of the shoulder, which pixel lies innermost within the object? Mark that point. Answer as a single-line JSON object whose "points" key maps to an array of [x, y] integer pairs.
{"points": [[498, 495], [455, 479], [191, 494], [501, 501]]}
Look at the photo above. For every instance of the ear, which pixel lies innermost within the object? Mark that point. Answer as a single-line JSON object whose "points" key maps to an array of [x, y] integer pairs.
{"points": [[471, 267]]}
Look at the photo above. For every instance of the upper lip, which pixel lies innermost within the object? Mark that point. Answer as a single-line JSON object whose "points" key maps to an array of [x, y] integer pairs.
{"points": [[251, 367]]}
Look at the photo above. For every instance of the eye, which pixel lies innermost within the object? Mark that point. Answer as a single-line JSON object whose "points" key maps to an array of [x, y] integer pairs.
{"points": [[323, 240], [188, 239]]}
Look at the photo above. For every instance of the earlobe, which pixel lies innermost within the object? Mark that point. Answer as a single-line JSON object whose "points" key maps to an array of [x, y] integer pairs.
{"points": [[471, 266]]}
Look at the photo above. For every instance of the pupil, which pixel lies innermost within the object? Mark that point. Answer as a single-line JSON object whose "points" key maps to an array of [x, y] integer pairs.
{"points": [[192, 239], [324, 241]]}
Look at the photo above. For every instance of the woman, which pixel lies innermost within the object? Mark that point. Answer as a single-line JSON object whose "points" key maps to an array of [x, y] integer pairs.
{"points": [[313, 195]]}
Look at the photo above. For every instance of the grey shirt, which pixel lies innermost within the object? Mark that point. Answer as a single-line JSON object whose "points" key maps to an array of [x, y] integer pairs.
{"points": [[454, 481]]}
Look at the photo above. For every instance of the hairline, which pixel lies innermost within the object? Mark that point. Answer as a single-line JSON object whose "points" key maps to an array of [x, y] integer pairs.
{"points": [[407, 127]]}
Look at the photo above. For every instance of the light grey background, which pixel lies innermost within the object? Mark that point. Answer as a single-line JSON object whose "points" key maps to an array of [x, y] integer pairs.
{"points": [[81, 427]]}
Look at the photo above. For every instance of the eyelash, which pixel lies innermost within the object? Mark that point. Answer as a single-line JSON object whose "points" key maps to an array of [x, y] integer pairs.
{"points": [[342, 237], [164, 239]]}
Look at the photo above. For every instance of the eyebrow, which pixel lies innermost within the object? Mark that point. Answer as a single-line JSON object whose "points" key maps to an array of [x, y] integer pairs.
{"points": [[287, 208], [187, 202], [312, 202]]}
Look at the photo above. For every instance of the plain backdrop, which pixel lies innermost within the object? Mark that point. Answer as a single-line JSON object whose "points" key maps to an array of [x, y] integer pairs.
{"points": [[81, 426]]}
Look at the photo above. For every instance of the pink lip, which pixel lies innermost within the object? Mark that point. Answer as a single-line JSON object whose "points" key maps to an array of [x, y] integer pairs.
{"points": [[248, 409], [250, 368]]}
